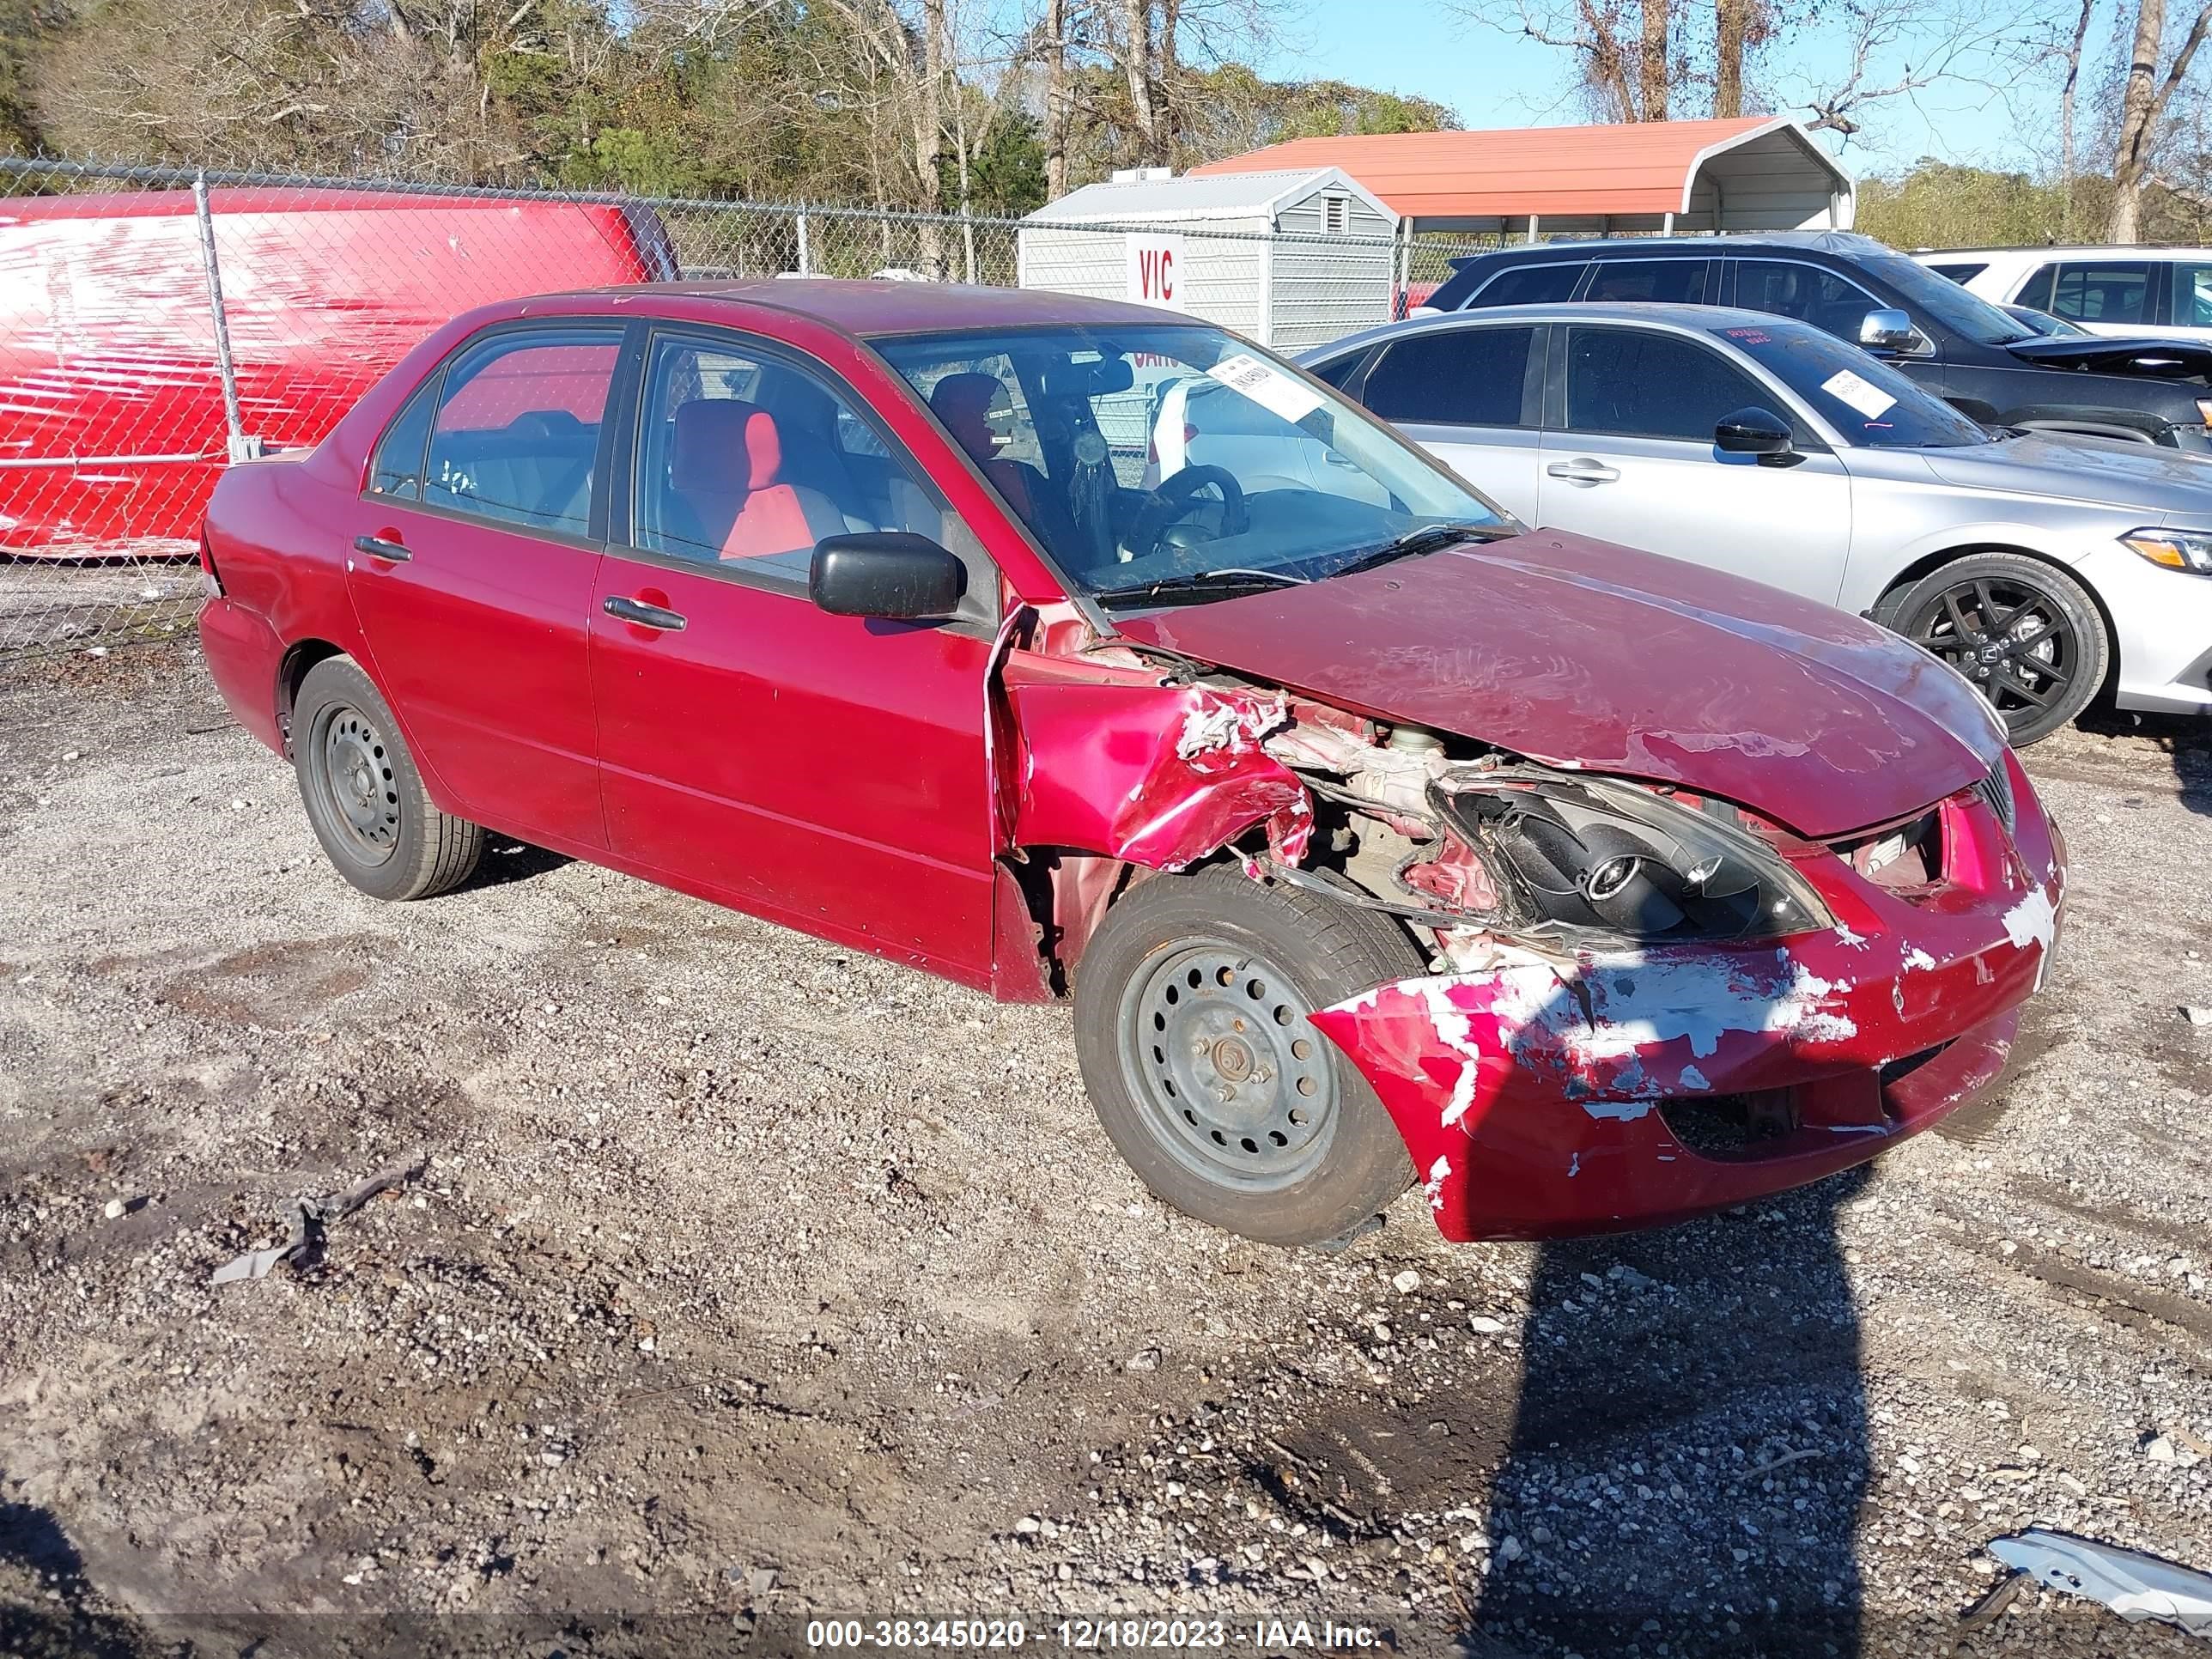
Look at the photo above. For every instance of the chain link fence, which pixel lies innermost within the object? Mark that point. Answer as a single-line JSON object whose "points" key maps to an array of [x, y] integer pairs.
{"points": [[158, 324]]}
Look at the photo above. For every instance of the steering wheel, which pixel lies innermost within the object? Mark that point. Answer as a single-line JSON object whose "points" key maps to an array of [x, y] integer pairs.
{"points": [[1173, 501]]}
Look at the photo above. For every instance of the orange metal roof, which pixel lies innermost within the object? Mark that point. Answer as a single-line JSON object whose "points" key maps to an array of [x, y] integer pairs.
{"points": [[1639, 167]]}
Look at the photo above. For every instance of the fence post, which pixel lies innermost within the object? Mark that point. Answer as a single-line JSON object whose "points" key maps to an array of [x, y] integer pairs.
{"points": [[241, 448], [805, 258]]}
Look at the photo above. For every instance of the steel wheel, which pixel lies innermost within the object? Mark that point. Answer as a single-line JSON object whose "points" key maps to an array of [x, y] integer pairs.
{"points": [[356, 777], [1233, 1083], [2011, 638]]}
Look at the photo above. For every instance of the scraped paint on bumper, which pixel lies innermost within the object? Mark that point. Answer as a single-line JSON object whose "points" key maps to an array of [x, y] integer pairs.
{"points": [[1630, 1089]]}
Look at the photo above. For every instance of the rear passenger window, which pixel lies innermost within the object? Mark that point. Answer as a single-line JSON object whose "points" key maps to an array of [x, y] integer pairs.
{"points": [[1532, 285], [396, 469], [2035, 292], [517, 430], [744, 459], [1467, 377], [1676, 282], [2114, 292], [1958, 273]]}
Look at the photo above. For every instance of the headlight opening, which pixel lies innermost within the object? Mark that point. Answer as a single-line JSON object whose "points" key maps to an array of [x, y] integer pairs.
{"points": [[1605, 857]]}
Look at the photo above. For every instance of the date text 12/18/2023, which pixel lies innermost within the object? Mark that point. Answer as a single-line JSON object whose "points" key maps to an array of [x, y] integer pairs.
{"points": [[1095, 1635]]}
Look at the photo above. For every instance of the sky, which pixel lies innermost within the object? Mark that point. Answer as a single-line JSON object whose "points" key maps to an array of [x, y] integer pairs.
{"points": [[1495, 80]]}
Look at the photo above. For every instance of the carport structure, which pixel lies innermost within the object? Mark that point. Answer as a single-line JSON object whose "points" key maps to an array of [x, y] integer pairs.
{"points": [[1761, 172]]}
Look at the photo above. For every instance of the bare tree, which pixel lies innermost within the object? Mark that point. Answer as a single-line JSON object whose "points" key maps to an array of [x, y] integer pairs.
{"points": [[2068, 153], [2143, 105]]}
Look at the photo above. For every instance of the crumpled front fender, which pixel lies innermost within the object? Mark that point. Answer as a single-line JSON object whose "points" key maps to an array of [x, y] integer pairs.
{"points": [[1109, 760]]}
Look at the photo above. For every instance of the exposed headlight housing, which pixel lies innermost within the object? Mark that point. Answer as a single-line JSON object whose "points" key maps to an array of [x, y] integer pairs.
{"points": [[2176, 550], [1603, 856]]}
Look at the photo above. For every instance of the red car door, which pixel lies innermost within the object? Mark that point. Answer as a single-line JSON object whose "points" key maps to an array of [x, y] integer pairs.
{"points": [[475, 560], [825, 772]]}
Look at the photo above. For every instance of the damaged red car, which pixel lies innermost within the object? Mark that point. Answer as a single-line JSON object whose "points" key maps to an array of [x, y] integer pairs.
{"points": [[1376, 839]]}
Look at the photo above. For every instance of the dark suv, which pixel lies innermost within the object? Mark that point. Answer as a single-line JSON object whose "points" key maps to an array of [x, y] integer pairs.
{"points": [[1993, 367]]}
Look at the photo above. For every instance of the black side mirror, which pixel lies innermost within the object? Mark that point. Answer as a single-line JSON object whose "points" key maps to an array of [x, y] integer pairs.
{"points": [[1755, 431], [890, 574]]}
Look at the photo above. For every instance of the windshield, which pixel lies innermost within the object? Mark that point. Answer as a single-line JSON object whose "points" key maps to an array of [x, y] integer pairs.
{"points": [[1866, 401], [1962, 313], [1163, 452]]}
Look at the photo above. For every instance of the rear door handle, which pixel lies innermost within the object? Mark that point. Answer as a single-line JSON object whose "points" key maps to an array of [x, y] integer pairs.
{"points": [[1583, 472], [380, 547], [644, 615]]}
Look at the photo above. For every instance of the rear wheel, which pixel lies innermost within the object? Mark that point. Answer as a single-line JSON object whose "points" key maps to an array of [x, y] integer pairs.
{"points": [[2024, 633], [363, 795], [1191, 1023]]}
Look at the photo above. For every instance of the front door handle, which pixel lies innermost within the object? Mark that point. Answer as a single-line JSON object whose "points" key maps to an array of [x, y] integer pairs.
{"points": [[644, 615], [382, 547], [1583, 472]]}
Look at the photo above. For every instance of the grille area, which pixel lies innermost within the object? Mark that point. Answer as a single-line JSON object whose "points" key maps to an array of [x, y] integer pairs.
{"points": [[1997, 790], [1726, 1127]]}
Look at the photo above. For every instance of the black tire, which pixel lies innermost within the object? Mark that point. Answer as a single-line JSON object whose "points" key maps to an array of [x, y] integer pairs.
{"points": [[1299, 1150], [2024, 633], [363, 795]]}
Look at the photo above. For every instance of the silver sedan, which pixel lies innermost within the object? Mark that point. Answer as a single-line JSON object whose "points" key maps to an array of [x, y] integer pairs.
{"points": [[2043, 569]]}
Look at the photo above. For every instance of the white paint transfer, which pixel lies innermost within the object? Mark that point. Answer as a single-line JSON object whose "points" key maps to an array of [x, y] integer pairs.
{"points": [[1619, 1111], [1694, 1078], [1439, 1172]]}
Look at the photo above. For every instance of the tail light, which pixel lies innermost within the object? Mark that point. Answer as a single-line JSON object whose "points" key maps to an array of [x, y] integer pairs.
{"points": [[210, 578]]}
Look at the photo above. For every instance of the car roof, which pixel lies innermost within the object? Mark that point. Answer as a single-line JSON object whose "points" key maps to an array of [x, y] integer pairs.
{"points": [[873, 307], [1846, 242], [2073, 250], [1699, 318]]}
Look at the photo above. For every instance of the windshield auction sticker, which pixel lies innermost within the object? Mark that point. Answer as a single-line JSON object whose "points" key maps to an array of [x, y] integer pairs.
{"points": [[1870, 400], [1267, 385]]}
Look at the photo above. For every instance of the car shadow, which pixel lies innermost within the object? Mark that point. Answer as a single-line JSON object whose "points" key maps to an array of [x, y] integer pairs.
{"points": [[1688, 1452], [507, 859], [2185, 740], [57, 1622]]}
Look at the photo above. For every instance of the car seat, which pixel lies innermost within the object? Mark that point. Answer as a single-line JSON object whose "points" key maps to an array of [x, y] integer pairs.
{"points": [[728, 492]]}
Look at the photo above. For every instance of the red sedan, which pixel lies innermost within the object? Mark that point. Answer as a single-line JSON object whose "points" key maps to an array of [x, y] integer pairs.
{"points": [[1375, 838]]}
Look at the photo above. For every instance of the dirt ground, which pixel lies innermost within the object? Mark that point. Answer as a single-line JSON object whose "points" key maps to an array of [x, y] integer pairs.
{"points": [[751, 1281]]}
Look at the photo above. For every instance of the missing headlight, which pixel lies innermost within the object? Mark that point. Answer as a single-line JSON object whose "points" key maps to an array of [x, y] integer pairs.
{"points": [[1609, 857]]}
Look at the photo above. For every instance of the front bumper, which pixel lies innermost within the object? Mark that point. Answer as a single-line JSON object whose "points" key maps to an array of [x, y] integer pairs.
{"points": [[1618, 1092], [2161, 630]]}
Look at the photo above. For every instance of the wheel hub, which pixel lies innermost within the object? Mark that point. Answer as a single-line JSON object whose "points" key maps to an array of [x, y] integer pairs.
{"points": [[1236, 1086], [359, 785], [2008, 637]]}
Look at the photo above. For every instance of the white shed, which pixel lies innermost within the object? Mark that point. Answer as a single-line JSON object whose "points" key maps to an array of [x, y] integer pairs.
{"points": [[1292, 258]]}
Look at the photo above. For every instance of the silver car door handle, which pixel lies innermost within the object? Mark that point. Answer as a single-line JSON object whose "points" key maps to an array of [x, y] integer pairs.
{"points": [[1583, 472]]}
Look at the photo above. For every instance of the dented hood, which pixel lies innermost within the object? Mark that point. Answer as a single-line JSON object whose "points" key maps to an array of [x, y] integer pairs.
{"points": [[1582, 653]]}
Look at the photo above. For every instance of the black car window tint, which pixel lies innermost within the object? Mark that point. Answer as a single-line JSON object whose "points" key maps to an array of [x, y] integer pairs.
{"points": [[1630, 384], [1808, 293], [1542, 285], [1674, 281], [2035, 292], [2116, 291], [1465, 377], [1958, 273], [517, 429]]}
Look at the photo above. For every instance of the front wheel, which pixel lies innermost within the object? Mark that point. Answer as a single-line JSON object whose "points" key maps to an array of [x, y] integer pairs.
{"points": [[2024, 633], [1191, 1026]]}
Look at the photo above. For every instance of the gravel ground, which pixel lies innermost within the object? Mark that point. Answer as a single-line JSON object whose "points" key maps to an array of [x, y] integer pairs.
{"points": [[751, 1280]]}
